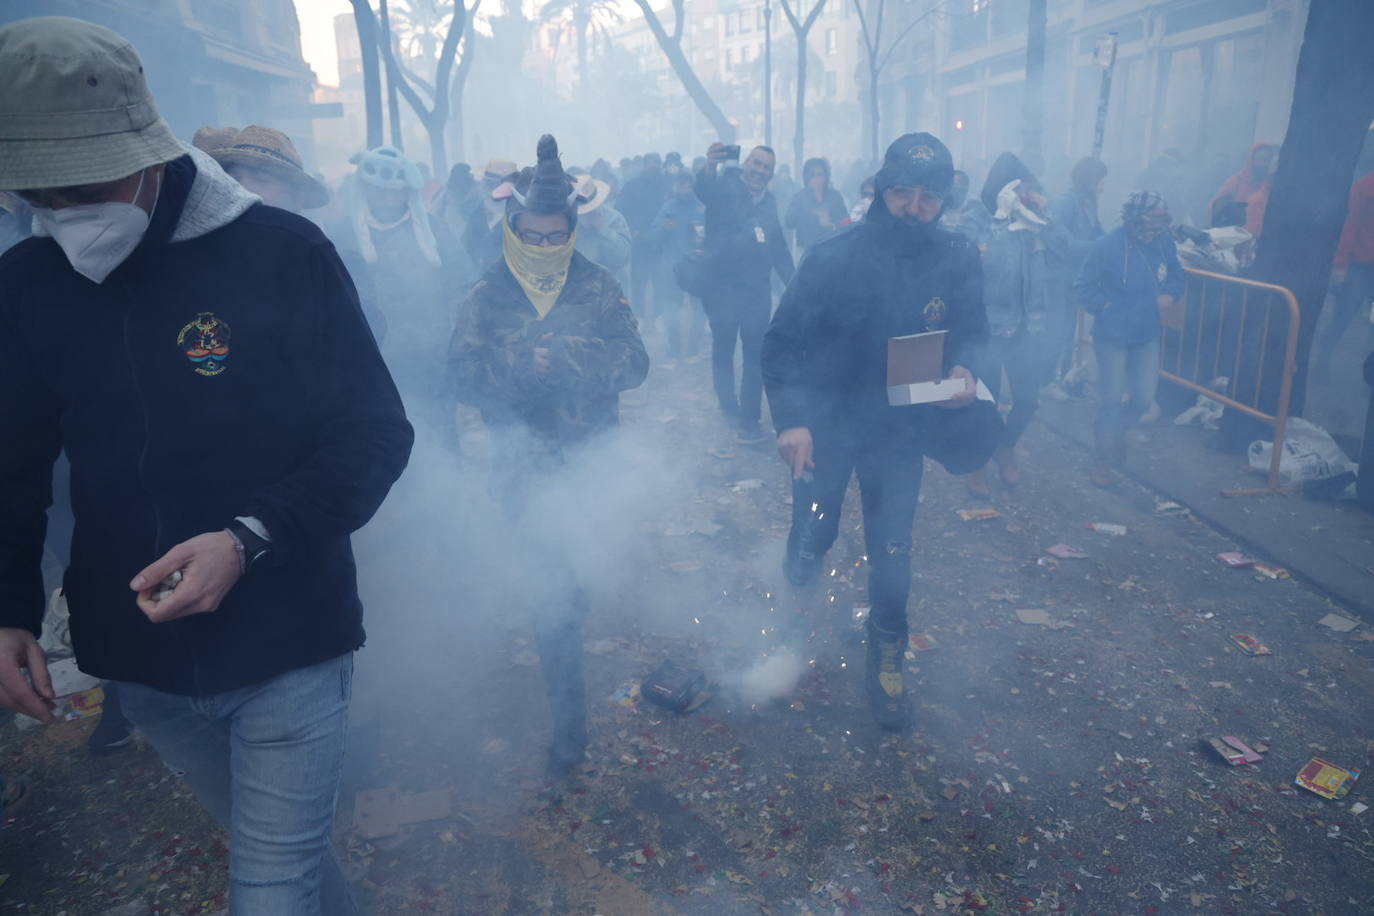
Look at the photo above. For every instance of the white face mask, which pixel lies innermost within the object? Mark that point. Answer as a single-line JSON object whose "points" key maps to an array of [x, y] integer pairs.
{"points": [[97, 237]]}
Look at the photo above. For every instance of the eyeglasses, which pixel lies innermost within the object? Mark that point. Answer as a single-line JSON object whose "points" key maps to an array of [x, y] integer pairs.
{"points": [[531, 237], [926, 197]]}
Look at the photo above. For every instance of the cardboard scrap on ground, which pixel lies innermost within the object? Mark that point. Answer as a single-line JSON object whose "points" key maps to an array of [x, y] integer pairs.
{"points": [[1065, 552], [1250, 645], [1233, 750], [1108, 528], [1271, 572], [1326, 779], [382, 812], [1038, 617], [1338, 623], [977, 515], [1235, 560]]}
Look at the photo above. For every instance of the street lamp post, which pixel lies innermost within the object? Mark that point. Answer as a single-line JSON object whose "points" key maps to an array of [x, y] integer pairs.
{"points": [[768, 72], [1104, 55]]}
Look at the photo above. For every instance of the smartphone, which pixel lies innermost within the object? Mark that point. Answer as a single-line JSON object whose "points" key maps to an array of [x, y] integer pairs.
{"points": [[732, 152]]}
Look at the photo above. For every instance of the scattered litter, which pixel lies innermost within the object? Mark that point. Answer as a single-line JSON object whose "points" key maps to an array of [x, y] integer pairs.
{"points": [[921, 642], [1235, 560], [674, 687], [383, 812], [1271, 572], [1250, 645], [1338, 623], [85, 704], [1359, 808], [68, 679], [1108, 528], [1168, 507], [1038, 617], [1326, 779], [977, 515], [626, 695], [724, 454], [1233, 750], [1065, 552], [741, 486], [1308, 453]]}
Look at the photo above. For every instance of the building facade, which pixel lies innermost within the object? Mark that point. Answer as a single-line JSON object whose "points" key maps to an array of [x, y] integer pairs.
{"points": [[1200, 80], [215, 62]]}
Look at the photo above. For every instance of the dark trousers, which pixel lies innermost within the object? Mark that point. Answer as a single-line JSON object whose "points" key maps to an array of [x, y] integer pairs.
{"points": [[746, 321], [889, 484], [1352, 301], [642, 263], [522, 466], [1024, 359]]}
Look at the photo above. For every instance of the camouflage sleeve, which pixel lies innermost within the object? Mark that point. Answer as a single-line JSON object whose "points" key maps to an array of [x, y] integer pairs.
{"points": [[613, 361], [487, 367]]}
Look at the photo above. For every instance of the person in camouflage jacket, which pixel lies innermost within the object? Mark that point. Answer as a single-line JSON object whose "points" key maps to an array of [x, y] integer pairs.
{"points": [[594, 352], [544, 346]]}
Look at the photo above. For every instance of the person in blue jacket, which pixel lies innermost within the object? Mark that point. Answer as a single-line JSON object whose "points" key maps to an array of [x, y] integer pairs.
{"points": [[1131, 276]]}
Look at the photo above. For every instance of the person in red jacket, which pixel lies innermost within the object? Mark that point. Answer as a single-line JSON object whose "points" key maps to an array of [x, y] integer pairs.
{"points": [[1353, 270]]}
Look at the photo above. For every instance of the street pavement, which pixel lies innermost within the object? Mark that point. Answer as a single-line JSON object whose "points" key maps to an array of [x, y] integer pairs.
{"points": [[1053, 766]]}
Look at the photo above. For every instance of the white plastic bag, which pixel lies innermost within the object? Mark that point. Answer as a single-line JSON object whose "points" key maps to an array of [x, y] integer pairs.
{"points": [[1309, 453]]}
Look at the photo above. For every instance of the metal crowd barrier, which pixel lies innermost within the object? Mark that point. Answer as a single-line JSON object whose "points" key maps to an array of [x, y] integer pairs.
{"points": [[1230, 327]]}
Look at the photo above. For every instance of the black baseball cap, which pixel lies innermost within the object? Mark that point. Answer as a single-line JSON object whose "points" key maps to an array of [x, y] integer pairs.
{"points": [[916, 160]]}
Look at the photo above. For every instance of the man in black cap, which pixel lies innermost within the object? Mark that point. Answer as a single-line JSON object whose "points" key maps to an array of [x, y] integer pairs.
{"points": [[824, 365]]}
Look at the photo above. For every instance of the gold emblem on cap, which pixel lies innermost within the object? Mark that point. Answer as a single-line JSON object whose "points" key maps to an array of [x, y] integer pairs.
{"points": [[922, 152]]}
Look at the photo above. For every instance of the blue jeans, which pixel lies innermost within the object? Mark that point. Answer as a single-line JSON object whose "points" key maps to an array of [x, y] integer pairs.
{"points": [[1121, 370], [264, 760]]}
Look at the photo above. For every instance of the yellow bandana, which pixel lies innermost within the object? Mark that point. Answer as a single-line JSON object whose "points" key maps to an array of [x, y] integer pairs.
{"points": [[541, 270]]}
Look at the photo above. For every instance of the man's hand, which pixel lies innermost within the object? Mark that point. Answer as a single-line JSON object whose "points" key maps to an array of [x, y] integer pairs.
{"points": [[1169, 314], [795, 447], [965, 397], [715, 154], [209, 565], [542, 365], [19, 651]]}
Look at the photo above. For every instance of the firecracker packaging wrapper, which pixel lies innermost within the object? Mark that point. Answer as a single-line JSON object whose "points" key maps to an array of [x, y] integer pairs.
{"points": [[1326, 779]]}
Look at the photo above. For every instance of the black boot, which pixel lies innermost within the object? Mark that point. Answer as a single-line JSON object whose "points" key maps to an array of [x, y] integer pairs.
{"points": [[883, 679]]}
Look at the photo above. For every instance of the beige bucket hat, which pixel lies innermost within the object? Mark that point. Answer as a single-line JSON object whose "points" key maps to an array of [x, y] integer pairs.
{"points": [[75, 108], [263, 148]]}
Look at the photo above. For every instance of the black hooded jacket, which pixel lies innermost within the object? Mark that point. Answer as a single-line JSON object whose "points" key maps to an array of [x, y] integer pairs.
{"points": [[825, 355], [224, 369]]}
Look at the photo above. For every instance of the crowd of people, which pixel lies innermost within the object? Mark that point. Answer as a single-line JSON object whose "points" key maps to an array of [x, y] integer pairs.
{"points": [[312, 351]]}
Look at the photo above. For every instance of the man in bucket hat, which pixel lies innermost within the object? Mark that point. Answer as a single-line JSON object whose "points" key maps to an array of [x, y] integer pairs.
{"points": [[265, 162], [203, 362], [824, 364]]}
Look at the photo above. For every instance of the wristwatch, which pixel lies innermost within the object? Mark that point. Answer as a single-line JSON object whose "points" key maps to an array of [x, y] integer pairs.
{"points": [[253, 545]]}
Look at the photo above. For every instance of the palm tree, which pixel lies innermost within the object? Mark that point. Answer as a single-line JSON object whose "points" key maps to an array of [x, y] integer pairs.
{"points": [[585, 18], [419, 27]]}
